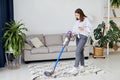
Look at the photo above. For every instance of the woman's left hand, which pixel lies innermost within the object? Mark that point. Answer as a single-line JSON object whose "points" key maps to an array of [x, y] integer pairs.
{"points": [[81, 28]]}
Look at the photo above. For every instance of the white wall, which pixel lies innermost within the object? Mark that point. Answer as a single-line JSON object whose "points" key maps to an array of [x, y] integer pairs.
{"points": [[55, 16]]}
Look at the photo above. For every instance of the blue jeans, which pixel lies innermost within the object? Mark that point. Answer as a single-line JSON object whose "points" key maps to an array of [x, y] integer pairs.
{"points": [[80, 43]]}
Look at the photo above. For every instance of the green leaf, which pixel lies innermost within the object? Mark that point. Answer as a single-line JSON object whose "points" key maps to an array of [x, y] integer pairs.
{"points": [[14, 37], [115, 3]]}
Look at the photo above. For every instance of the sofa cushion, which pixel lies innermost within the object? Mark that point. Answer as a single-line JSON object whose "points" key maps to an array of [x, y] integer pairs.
{"points": [[53, 40], [71, 48], [40, 50], [53, 49], [40, 36], [72, 43], [27, 47], [36, 42]]}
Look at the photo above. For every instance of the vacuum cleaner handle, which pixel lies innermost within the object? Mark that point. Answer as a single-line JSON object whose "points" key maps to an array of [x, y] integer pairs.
{"points": [[66, 42], [58, 58]]}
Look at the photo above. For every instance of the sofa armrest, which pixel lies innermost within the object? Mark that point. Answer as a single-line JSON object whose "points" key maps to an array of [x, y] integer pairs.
{"points": [[27, 47]]}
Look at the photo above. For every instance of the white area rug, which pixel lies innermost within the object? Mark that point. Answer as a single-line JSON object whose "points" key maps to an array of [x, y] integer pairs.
{"points": [[37, 70]]}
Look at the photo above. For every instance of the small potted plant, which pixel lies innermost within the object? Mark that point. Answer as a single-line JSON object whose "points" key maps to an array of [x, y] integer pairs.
{"points": [[115, 4], [113, 35], [13, 39]]}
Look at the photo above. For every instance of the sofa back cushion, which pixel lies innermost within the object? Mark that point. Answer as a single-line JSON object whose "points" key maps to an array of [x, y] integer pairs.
{"points": [[55, 49], [63, 36], [53, 39], [41, 50]]}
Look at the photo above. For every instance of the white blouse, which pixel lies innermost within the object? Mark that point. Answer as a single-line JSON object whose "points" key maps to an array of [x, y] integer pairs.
{"points": [[87, 27]]}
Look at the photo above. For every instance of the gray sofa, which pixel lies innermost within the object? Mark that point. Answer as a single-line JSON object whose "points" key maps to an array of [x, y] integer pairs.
{"points": [[50, 50]]}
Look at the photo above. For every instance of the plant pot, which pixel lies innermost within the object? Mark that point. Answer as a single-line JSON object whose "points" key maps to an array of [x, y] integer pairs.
{"points": [[98, 51], [115, 47], [12, 61]]}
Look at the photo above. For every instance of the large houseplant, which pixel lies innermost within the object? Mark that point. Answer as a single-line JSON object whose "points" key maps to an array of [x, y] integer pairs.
{"points": [[13, 39], [101, 40], [102, 37]]}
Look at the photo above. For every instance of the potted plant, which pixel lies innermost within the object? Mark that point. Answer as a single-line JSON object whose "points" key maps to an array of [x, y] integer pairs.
{"points": [[13, 39], [115, 4], [113, 35], [100, 40]]}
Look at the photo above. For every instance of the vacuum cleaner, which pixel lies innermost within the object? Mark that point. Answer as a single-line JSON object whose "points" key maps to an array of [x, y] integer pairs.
{"points": [[65, 43]]}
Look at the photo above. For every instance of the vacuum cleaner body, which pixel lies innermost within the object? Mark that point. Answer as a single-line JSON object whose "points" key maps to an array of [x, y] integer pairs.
{"points": [[67, 38], [65, 43]]}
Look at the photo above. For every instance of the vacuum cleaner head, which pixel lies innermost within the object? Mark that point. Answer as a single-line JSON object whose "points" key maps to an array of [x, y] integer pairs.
{"points": [[46, 73]]}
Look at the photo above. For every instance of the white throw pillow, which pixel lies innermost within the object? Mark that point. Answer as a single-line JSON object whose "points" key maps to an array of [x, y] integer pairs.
{"points": [[36, 42]]}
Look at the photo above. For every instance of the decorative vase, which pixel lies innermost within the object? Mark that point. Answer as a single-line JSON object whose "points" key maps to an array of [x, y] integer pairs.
{"points": [[115, 47], [12, 61]]}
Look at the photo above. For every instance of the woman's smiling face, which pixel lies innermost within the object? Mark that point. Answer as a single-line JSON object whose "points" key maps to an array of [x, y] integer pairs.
{"points": [[77, 16]]}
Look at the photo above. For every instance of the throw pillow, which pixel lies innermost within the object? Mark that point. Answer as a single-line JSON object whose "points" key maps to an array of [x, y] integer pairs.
{"points": [[36, 42]]}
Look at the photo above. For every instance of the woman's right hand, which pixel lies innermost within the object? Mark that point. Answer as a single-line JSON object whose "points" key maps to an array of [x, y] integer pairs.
{"points": [[73, 37], [73, 34], [81, 28]]}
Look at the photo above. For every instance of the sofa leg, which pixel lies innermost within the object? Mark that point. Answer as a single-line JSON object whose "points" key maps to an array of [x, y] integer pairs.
{"points": [[26, 62]]}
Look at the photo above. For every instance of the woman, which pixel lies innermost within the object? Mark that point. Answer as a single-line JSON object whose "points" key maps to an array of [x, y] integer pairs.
{"points": [[81, 31]]}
